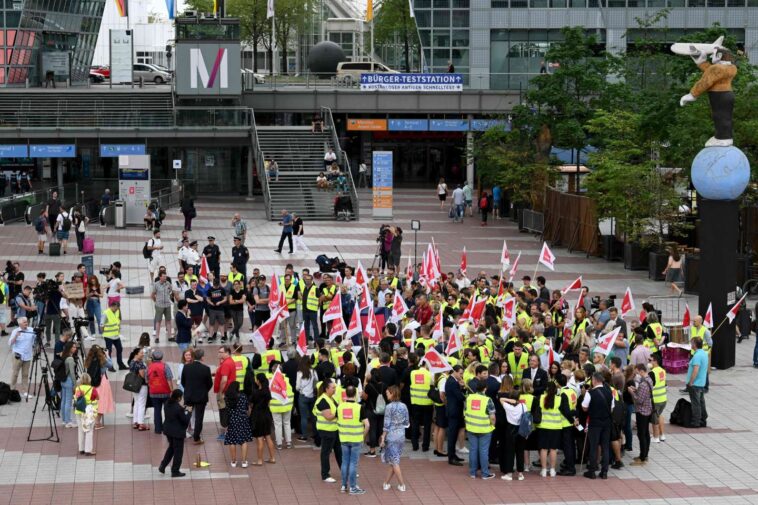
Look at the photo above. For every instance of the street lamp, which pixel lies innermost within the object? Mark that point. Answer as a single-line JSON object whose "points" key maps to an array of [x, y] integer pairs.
{"points": [[415, 226]]}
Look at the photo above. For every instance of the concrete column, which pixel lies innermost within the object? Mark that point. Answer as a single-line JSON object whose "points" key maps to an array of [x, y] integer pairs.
{"points": [[250, 155], [470, 155]]}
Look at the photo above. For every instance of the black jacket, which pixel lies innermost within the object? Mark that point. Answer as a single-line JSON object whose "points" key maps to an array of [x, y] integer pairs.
{"points": [[175, 420], [454, 398], [197, 381], [539, 383]]}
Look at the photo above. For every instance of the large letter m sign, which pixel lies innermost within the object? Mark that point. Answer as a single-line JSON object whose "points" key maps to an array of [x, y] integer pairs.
{"points": [[199, 68]]}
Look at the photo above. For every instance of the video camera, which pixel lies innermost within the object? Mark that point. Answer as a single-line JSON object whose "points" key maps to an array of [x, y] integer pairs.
{"points": [[383, 229], [44, 289], [595, 302]]}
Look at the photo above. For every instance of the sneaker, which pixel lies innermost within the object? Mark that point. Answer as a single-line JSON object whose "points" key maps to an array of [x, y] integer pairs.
{"points": [[199, 340], [244, 464], [302, 439], [234, 464], [129, 414], [401, 488], [356, 490], [463, 450], [488, 476], [663, 438], [370, 454], [617, 465], [543, 472], [343, 489], [655, 440], [278, 447], [386, 486], [329, 480], [521, 476], [157, 341], [552, 472], [507, 476], [221, 437]]}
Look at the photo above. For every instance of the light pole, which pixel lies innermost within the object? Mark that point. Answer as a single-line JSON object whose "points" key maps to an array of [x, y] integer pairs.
{"points": [[415, 226]]}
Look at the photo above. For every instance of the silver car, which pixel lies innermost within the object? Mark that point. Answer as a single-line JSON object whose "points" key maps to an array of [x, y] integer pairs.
{"points": [[150, 73]]}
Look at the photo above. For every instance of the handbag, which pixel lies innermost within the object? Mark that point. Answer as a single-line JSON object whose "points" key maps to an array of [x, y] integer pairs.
{"points": [[81, 228], [133, 382], [223, 417]]}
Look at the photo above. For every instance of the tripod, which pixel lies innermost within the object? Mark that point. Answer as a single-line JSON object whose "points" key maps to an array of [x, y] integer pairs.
{"points": [[378, 253], [42, 388]]}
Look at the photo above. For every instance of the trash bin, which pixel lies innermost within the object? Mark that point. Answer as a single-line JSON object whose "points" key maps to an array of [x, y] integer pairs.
{"points": [[120, 217]]}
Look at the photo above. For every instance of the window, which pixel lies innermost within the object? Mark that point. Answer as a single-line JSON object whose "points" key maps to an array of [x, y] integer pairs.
{"points": [[426, 37], [441, 38], [460, 19], [519, 4], [538, 4], [499, 4], [423, 18], [460, 38], [441, 19], [441, 4], [460, 4]]}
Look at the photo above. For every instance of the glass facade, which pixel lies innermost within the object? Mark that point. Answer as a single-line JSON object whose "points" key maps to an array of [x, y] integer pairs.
{"points": [[41, 36], [445, 36], [584, 4]]}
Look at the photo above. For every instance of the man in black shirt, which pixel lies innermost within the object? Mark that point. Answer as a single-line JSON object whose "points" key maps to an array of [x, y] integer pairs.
{"points": [[213, 256], [454, 401], [389, 374], [53, 208], [240, 256], [598, 403], [53, 312], [325, 368], [216, 303], [15, 283]]}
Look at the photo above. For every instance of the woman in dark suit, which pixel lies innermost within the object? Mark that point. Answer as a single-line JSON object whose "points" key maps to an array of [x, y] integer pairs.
{"points": [[175, 423]]}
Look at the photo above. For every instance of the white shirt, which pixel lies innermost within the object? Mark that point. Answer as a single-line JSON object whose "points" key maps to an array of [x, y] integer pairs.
{"points": [[189, 255], [330, 156], [458, 197], [155, 242], [462, 283], [112, 289], [63, 215], [513, 413], [381, 295], [587, 398], [305, 386]]}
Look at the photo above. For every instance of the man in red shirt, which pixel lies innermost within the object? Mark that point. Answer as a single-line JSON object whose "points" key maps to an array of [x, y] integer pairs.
{"points": [[226, 373], [423, 312]]}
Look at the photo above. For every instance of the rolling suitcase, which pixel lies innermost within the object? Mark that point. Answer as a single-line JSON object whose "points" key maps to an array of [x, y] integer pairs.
{"points": [[55, 248], [88, 246]]}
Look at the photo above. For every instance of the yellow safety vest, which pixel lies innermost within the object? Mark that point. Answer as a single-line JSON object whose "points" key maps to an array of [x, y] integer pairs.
{"points": [[268, 357], [112, 326], [289, 295], [658, 331], [421, 382], [659, 390], [570, 395], [527, 399], [87, 392], [263, 367], [699, 332], [579, 326], [517, 369], [551, 418], [542, 350], [321, 422], [484, 354], [349, 422], [440, 384], [525, 319], [241, 364], [393, 283], [326, 291], [236, 276], [337, 357], [426, 342], [277, 407], [475, 415], [4, 291]]}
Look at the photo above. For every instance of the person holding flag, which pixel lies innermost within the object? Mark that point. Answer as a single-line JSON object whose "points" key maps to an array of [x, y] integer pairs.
{"points": [[282, 400]]}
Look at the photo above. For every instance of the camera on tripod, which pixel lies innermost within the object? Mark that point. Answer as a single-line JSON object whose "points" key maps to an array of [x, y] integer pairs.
{"points": [[383, 229], [43, 290], [610, 301]]}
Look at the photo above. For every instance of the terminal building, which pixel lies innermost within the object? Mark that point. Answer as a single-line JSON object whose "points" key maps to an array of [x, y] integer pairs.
{"points": [[223, 129]]}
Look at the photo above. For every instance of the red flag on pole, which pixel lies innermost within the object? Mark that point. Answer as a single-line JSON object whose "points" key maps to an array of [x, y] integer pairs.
{"points": [[265, 332], [360, 274], [355, 327], [409, 270], [278, 387], [478, 310], [627, 304], [437, 262], [338, 328], [505, 256], [686, 320], [273, 299], [514, 268], [302, 342], [735, 309], [204, 268], [439, 328], [372, 328], [363, 298], [547, 257], [509, 310], [464, 262], [335, 308], [577, 284], [454, 344], [437, 362], [605, 344], [708, 319], [399, 308]]}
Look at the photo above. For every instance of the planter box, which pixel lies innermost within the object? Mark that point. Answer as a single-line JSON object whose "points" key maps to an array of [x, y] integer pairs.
{"points": [[636, 257], [657, 262], [691, 273], [613, 249]]}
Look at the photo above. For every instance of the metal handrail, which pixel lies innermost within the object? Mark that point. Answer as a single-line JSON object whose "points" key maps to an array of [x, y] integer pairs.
{"points": [[342, 158], [260, 165]]}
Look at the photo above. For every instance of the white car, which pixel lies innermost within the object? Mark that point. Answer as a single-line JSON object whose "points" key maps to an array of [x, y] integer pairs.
{"points": [[150, 73], [349, 72], [259, 78]]}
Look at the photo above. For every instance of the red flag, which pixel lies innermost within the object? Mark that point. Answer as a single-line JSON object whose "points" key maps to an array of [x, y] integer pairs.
{"points": [[686, 320], [204, 268], [708, 319], [464, 262], [437, 362], [399, 308], [552, 357], [643, 315], [577, 284], [437, 263], [547, 257], [372, 328], [478, 310], [355, 327], [302, 342], [627, 304], [605, 343], [335, 308], [439, 328], [735, 309], [360, 274], [514, 268], [265, 332], [454, 344], [363, 298], [509, 310], [338, 278], [409, 271], [338, 328], [433, 271], [505, 256], [273, 298], [278, 387]]}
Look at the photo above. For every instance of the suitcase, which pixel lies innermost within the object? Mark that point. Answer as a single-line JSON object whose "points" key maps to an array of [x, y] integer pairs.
{"points": [[88, 246], [135, 290], [55, 248]]}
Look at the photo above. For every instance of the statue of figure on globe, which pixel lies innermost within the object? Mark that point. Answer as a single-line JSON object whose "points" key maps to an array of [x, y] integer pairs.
{"points": [[717, 81]]}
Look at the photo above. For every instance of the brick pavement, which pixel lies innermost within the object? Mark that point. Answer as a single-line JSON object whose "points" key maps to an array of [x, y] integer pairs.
{"points": [[700, 466]]}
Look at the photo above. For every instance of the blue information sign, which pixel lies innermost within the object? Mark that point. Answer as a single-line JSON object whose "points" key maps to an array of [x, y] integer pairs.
{"points": [[52, 151], [480, 125], [448, 125], [115, 150], [14, 151], [408, 125], [412, 82], [382, 188]]}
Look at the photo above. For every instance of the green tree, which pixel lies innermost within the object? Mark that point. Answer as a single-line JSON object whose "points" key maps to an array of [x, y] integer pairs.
{"points": [[394, 20], [254, 26], [200, 5]]}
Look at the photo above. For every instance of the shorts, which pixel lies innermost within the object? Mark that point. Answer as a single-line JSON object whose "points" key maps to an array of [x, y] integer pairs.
{"points": [[41, 237], [161, 312], [261, 316], [615, 432], [659, 408], [440, 416], [62, 235], [215, 317], [4, 315], [442, 197], [469, 203], [197, 320]]}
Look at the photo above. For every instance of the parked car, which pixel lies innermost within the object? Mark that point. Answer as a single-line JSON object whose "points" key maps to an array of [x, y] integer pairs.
{"points": [[150, 73], [95, 76], [259, 78], [349, 72], [105, 70]]}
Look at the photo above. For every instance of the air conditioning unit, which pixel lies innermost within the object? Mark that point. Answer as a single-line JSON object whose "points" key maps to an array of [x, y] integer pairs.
{"points": [[190, 14]]}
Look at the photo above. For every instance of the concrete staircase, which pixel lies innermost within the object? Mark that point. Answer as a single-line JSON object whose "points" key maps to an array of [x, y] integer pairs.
{"points": [[300, 156]]}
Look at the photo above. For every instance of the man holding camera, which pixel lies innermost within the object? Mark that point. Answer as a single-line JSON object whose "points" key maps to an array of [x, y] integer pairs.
{"points": [[22, 346], [53, 297]]}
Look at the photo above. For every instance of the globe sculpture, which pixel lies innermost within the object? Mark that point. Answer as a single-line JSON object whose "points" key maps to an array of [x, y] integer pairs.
{"points": [[720, 173], [324, 57]]}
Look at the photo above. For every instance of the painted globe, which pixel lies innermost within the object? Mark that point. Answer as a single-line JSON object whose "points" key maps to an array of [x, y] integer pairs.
{"points": [[720, 173], [324, 57]]}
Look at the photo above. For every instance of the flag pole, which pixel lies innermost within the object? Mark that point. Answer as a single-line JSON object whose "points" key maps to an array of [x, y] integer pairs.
{"points": [[273, 43]]}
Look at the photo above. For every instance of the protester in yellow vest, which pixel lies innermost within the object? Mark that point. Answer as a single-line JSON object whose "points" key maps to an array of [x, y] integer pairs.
{"points": [[111, 322], [699, 330], [241, 363], [352, 426], [658, 374], [479, 415], [550, 428], [518, 360], [421, 407], [325, 411], [282, 412]]}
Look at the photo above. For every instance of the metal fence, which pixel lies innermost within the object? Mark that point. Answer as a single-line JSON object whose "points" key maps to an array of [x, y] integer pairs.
{"points": [[671, 308], [532, 221]]}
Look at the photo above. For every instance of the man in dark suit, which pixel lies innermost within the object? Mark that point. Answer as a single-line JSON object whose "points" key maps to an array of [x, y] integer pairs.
{"points": [[454, 402], [389, 374], [197, 381], [175, 425], [537, 375]]}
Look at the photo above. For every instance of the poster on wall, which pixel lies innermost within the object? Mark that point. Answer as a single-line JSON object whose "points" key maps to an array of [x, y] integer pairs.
{"points": [[121, 56], [381, 168]]}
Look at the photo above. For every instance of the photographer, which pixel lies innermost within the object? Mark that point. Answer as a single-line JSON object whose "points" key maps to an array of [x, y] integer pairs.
{"points": [[15, 279], [25, 307], [52, 295], [22, 346]]}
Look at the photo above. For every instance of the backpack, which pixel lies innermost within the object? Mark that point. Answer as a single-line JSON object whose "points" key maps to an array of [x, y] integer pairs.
{"points": [[483, 203], [59, 369], [147, 253], [526, 425], [380, 406], [66, 222], [682, 414], [95, 373], [434, 395], [5, 393], [39, 225]]}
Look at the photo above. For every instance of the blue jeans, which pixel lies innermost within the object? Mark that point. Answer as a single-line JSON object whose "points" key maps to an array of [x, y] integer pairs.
{"points": [[310, 320], [183, 346], [93, 311], [304, 407], [459, 211], [158, 413], [628, 427], [479, 453], [67, 399], [351, 451]]}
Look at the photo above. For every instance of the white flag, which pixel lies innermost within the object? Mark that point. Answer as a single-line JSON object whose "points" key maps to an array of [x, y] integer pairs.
{"points": [[269, 9], [413, 14]]}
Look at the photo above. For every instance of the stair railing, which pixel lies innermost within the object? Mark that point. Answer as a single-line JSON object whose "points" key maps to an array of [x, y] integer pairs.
{"points": [[342, 157]]}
